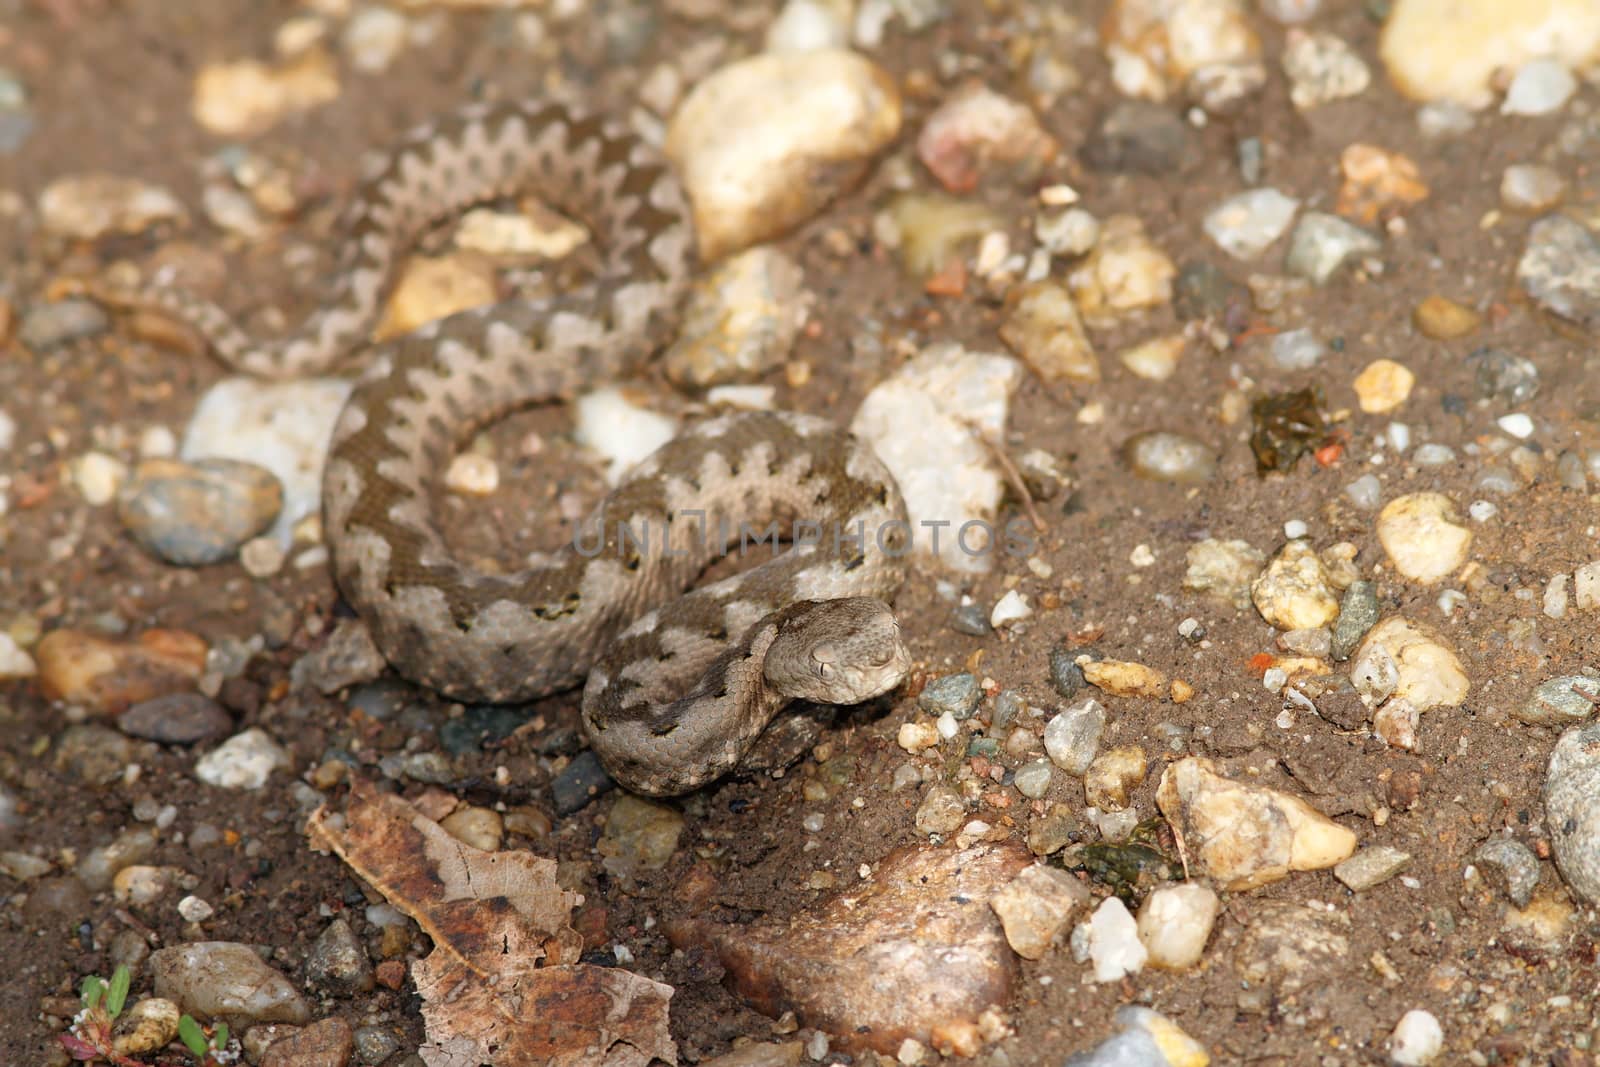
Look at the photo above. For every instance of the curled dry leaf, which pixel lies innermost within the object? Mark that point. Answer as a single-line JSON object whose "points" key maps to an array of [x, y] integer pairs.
{"points": [[502, 985]]}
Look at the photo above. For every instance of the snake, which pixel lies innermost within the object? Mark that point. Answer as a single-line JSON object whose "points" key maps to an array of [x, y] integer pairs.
{"points": [[680, 676]]}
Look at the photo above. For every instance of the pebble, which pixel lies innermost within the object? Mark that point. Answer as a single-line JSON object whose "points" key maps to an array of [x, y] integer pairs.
{"points": [[1245, 835], [951, 961], [1455, 51], [580, 782], [227, 980], [100, 866], [15, 662], [374, 38], [616, 429], [1295, 591], [1378, 184], [325, 1043], [942, 811], [1225, 570], [48, 326], [193, 909], [1165, 456], [809, 25], [1297, 350], [1513, 865], [1423, 537], [1138, 137], [1560, 269], [348, 657], [87, 207], [1417, 1039], [978, 133], [1072, 736], [1370, 867], [1586, 586], [640, 835], [954, 694], [472, 474], [93, 754], [1425, 670], [175, 719], [1531, 187], [1066, 677], [1125, 273], [1157, 359], [284, 427], [1322, 68], [789, 1054], [107, 675], [22, 866], [1358, 613], [434, 287], [1288, 947], [1147, 1039], [740, 322], [479, 828], [1113, 944], [1124, 678], [98, 477], [141, 885], [968, 618], [1561, 701], [1572, 809], [1175, 922], [338, 963], [262, 557], [917, 737], [1155, 54], [1504, 377], [375, 1044], [243, 761], [1032, 779], [923, 422], [1043, 327], [1034, 908], [1069, 232], [1443, 319], [517, 235], [196, 514], [1539, 87], [766, 142], [1246, 225], [1323, 243], [1112, 776], [1010, 609], [243, 98], [147, 1026], [929, 231]]}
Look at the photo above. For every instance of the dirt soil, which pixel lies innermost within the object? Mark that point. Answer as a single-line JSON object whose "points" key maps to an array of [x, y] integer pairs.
{"points": [[111, 85]]}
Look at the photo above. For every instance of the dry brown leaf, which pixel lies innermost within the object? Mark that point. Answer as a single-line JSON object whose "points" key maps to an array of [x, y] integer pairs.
{"points": [[502, 985]]}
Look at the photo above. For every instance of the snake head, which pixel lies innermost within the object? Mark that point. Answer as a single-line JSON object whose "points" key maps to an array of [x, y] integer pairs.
{"points": [[837, 651]]}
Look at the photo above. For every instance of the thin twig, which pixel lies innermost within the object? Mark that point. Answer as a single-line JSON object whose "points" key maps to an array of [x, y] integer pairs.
{"points": [[1009, 471]]}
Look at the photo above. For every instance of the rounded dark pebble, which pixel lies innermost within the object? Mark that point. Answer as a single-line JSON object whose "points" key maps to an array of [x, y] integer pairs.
{"points": [[479, 726], [1066, 677], [958, 694], [193, 514], [49, 326], [582, 781], [1139, 138], [338, 963], [1202, 291], [176, 719], [382, 699], [374, 1044]]}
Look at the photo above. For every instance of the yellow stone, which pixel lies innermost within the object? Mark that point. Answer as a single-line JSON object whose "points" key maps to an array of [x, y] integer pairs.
{"points": [[1383, 386], [1443, 319]]}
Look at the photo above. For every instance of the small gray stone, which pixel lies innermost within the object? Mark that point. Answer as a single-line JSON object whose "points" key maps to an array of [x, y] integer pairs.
{"points": [[1066, 677], [48, 326], [942, 811], [1008, 704], [1560, 269], [348, 657], [1297, 350], [1164, 456], [971, 619], [93, 754], [1510, 864], [374, 1044], [581, 781], [176, 719], [1504, 377], [957, 694], [1072, 738], [1371, 866], [1323, 243], [338, 963], [226, 980], [1561, 701], [194, 514], [1033, 779], [1358, 613], [100, 866], [1203, 291], [1138, 137], [1572, 809]]}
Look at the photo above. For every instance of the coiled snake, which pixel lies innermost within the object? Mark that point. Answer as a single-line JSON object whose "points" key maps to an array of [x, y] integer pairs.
{"points": [[679, 686]]}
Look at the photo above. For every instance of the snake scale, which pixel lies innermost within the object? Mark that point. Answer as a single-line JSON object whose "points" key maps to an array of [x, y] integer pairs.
{"points": [[679, 684]]}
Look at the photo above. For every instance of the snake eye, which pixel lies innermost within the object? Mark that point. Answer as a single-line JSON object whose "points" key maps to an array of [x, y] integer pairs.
{"points": [[824, 669]]}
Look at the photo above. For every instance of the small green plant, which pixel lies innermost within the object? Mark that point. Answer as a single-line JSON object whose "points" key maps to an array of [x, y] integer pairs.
{"points": [[89, 1039]]}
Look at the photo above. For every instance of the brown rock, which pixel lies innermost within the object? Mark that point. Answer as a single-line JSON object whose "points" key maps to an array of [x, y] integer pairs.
{"points": [[1443, 319], [108, 675], [176, 719], [322, 1044], [915, 952]]}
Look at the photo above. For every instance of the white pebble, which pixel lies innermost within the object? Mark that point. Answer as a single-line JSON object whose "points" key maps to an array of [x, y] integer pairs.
{"points": [[620, 431], [1417, 1039], [8, 431], [14, 660], [472, 474], [1399, 435], [1366, 492], [947, 726], [1114, 944], [98, 476], [916, 736], [194, 910], [1586, 586], [157, 442], [374, 38], [807, 25], [1482, 510], [1175, 922], [1555, 597], [1295, 529], [1517, 425], [243, 761], [1540, 87], [261, 557]]}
